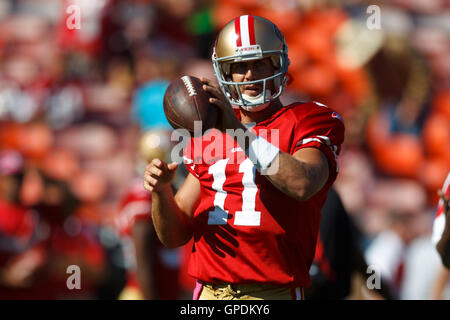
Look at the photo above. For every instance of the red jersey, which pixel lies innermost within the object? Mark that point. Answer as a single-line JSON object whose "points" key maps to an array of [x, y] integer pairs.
{"points": [[136, 205], [439, 220], [245, 229], [17, 226]]}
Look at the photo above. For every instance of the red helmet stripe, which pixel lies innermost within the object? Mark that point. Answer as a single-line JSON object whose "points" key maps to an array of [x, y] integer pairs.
{"points": [[251, 30], [237, 30]]}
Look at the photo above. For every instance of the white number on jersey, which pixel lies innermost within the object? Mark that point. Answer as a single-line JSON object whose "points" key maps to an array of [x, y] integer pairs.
{"points": [[248, 216]]}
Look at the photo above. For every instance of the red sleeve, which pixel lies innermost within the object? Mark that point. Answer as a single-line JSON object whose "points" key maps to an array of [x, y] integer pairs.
{"points": [[16, 222], [320, 127], [136, 205]]}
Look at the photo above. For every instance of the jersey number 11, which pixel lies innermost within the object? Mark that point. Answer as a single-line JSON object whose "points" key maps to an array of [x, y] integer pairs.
{"points": [[248, 216]]}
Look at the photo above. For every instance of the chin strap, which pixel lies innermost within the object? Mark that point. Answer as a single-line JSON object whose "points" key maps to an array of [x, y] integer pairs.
{"points": [[256, 108], [257, 101]]}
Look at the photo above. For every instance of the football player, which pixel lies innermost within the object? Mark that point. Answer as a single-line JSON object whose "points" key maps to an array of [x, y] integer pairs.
{"points": [[152, 269], [257, 182], [441, 226]]}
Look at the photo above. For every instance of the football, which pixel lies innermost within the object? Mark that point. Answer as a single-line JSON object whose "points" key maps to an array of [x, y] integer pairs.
{"points": [[185, 102]]}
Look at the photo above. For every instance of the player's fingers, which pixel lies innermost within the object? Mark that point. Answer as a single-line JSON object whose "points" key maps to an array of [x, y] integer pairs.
{"points": [[157, 162], [206, 81], [152, 181], [148, 187], [156, 171], [172, 166], [210, 86], [214, 91], [219, 103], [150, 178]]}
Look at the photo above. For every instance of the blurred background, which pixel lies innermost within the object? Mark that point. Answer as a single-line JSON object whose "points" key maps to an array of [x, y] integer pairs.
{"points": [[74, 103]]}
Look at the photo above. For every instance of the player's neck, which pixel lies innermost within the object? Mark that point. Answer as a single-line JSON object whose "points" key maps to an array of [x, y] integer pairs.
{"points": [[258, 116]]}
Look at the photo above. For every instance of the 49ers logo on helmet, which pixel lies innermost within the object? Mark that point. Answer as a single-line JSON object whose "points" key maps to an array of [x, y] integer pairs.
{"points": [[251, 50]]}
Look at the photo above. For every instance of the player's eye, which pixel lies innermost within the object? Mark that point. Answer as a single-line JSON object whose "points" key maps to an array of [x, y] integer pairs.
{"points": [[239, 67], [263, 65], [260, 65]]}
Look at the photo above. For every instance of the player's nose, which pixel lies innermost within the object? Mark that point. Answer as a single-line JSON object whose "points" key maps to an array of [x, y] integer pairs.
{"points": [[249, 75]]}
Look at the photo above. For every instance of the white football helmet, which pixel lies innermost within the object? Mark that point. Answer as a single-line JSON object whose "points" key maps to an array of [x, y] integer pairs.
{"points": [[250, 38]]}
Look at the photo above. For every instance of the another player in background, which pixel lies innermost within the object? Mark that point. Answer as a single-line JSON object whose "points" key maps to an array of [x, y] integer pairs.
{"points": [[441, 226], [152, 268], [17, 227], [339, 259], [254, 211]]}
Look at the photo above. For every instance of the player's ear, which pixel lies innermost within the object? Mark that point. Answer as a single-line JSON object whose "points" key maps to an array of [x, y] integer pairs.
{"points": [[275, 62]]}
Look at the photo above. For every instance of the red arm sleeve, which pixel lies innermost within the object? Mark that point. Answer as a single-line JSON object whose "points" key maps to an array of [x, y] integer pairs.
{"points": [[319, 127]]}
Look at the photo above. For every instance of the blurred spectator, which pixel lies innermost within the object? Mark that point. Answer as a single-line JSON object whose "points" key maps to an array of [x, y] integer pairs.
{"points": [[147, 106], [17, 224], [401, 251], [338, 256]]}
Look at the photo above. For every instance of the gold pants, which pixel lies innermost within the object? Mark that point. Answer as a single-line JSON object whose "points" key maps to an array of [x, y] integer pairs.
{"points": [[228, 291], [131, 293]]}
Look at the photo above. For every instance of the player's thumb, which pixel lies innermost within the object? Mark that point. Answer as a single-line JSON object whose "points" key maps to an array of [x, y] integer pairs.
{"points": [[172, 166]]}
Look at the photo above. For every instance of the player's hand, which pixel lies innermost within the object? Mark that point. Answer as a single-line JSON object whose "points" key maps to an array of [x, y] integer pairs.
{"points": [[158, 175], [227, 118]]}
